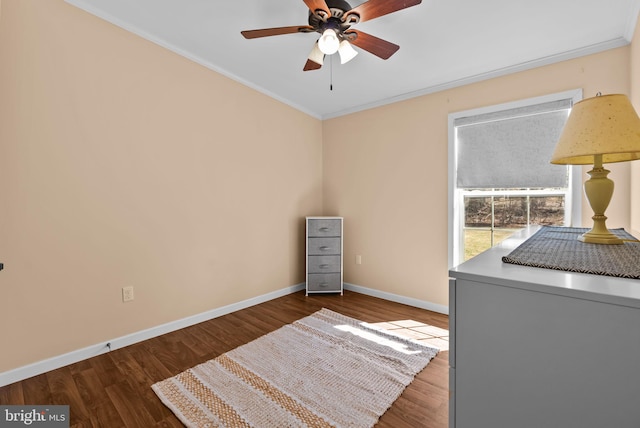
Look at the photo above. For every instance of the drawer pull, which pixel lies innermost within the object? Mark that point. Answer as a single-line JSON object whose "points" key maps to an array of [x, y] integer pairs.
{"points": [[324, 248], [323, 284], [323, 266], [324, 229]]}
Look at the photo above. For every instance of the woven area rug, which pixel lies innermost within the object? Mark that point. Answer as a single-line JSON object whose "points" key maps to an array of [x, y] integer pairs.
{"points": [[558, 248], [320, 371]]}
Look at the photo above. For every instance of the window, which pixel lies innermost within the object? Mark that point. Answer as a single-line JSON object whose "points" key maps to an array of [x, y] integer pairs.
{"points": [[500, 177]]}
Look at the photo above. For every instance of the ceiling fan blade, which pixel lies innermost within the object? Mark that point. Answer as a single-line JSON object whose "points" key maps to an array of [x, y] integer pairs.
{"points": [[276, 31], [379, 47], [373, 9], [311, 65], [314, 5]]}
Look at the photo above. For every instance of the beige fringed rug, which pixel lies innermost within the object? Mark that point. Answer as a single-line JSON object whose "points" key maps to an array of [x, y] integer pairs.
{"points": [[323, 370]]}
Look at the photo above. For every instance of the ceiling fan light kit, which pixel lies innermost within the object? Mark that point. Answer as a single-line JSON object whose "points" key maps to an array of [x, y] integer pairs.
{"points": [[329, 42], [316, 56], [346, 51], [333, 19]]}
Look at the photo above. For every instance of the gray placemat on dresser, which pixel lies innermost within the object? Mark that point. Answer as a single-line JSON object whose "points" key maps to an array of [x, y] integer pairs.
{"points": [[558, 248]]}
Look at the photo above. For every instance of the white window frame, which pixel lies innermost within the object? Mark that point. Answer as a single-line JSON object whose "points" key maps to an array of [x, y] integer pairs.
{"points": [[573, 201]]}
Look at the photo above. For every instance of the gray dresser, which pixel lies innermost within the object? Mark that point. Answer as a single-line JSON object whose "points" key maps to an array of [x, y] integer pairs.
{"points": [[324, 255], [534, 347]]}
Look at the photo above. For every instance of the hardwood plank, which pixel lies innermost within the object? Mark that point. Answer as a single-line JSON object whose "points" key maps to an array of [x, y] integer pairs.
{"points": [[130, 405], [172, 352], [80, 366], [104, 416], [90, 388], [36, 390], [154, 369], [106, 369], [172, 422], [141, 384], [12, 394], [64, 390], [114, 389]]}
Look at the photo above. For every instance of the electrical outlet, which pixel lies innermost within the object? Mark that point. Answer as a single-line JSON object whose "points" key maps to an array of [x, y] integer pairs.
{"points": [[127, 294], [358, 259]]}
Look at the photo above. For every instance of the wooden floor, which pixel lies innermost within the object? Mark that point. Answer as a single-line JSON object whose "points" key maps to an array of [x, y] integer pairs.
{"points": [[113, 389]]}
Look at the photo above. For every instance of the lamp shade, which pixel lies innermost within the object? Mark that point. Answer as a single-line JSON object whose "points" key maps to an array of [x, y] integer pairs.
{"points": [[346, 51], [316, 54], [604, 125], [329, 42]]}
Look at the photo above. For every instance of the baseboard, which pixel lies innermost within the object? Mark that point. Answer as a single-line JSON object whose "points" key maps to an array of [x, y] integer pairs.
{"points": [[397, 298], [53, 363]]}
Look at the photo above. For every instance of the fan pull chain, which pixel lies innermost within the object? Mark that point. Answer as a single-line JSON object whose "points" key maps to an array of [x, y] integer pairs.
{"points": [[331, 73]]}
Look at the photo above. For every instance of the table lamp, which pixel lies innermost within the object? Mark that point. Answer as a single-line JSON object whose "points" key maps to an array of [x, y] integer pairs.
{"points": [[599, 130]]}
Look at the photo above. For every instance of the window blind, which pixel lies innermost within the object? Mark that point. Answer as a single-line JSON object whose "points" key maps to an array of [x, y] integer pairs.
{"points": [[511, 148]]}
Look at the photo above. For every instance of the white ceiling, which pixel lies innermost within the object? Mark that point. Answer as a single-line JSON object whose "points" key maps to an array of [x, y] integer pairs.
{"points": [[443, 43]]}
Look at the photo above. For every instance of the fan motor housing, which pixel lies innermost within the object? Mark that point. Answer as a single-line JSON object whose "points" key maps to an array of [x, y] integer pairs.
{"points": [[319, 20]]}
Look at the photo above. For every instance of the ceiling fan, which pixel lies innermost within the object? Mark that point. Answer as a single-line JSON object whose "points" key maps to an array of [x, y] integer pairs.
{"points": [[333, 20]]}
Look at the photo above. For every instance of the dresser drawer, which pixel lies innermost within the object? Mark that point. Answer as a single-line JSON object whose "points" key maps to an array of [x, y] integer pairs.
{"points": [[323, 246], [324, 254], [324, 282], [324, 264], [324, 227]]}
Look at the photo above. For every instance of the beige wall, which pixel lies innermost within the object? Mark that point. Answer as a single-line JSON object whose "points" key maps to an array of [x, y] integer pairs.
{"points": [[123, 164], [385, 171], [635, 99]]}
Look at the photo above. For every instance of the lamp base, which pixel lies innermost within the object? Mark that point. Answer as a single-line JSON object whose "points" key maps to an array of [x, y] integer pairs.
{"points": [[592, 237], [599, 189]]}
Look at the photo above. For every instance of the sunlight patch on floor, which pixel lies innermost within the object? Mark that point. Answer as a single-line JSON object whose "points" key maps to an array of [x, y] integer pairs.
{"points": [[428, 334], [377, 338]]}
